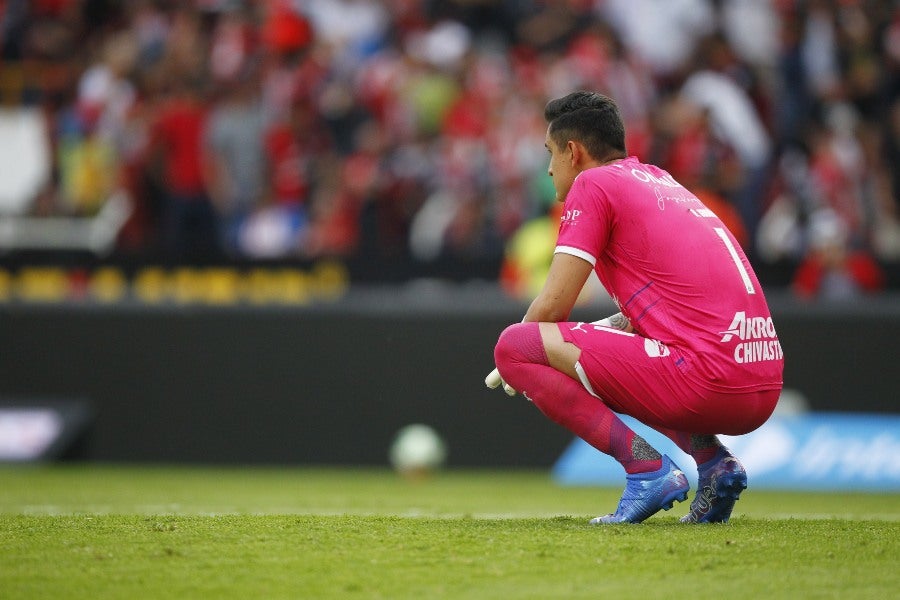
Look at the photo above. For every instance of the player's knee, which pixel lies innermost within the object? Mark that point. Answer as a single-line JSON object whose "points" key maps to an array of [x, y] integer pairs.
{"points": [[520, 343]]}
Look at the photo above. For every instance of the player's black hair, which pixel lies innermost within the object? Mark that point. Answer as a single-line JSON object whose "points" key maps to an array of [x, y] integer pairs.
{"points": [[589, 118]]}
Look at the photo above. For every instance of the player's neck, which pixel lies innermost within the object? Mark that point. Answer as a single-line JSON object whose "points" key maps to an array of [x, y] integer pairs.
{"points": [[611, 160]]}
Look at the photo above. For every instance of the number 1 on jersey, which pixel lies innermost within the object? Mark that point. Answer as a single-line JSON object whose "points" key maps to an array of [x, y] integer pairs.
{"points": [[745, 277]]}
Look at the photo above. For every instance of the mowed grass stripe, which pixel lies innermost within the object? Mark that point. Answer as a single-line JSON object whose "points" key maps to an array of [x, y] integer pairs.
{"points": [[110, 489]]}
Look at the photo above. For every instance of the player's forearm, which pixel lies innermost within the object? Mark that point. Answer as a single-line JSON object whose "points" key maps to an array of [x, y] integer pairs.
{"points": [[543, 310], [557, 297]]}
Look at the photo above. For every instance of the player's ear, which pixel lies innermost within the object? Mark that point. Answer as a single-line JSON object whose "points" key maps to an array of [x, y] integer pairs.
{"points": [[577, 152]]}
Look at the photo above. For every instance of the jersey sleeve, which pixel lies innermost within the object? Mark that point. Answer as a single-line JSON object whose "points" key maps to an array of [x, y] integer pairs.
{"points": [[586, 221]]}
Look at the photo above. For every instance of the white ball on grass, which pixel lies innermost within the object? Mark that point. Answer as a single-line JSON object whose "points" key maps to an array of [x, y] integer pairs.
{"points": [[417, 450]]}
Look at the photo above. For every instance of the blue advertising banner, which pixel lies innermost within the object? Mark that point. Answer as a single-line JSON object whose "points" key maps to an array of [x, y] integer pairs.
{"points": [[815, 451]]}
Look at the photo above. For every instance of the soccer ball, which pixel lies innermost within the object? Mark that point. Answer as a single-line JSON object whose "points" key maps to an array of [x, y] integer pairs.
{"points": [[417, 450]]}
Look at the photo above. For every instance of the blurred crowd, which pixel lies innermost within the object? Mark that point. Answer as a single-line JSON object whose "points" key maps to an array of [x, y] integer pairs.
{"points": [[413, 129]]}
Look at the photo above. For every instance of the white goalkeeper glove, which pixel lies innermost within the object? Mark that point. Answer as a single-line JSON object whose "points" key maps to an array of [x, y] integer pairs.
{"points": [[493, 381]]}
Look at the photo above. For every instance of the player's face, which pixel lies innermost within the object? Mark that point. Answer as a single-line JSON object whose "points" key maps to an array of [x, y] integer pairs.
{"points": [[561, 169]]}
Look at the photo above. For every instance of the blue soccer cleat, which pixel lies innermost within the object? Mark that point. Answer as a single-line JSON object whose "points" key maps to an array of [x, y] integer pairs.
{"points": [[719, 486], [648, 493]]}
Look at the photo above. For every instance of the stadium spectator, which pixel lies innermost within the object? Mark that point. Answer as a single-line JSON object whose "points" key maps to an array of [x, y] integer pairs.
{"points": [[661, 33], [175, 152], [292, 144], [235, 157], [832, 270]]}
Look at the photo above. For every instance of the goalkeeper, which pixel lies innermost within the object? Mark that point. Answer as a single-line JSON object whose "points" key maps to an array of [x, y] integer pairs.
{"points": [[693, 352]]}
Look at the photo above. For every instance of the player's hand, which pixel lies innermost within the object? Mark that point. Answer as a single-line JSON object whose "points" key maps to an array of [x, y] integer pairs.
{"points": [[493, 381]]}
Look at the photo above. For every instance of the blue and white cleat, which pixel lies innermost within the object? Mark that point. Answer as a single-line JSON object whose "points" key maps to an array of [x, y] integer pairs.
{"points": [[719, 486], [648, 493]]}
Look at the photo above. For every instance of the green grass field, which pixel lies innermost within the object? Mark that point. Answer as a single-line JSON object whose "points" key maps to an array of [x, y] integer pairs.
{"points": [[79, 531]]}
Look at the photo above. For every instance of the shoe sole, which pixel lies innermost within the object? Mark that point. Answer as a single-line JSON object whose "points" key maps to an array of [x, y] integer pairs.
{"points": [[671, 499], [728, 491]]}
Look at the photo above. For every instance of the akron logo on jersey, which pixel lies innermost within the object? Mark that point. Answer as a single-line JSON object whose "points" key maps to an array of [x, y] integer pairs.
{"points": [[758, 340]]}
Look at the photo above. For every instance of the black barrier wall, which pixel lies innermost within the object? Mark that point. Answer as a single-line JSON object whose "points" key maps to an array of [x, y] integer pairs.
{"points": [[332, 385]]}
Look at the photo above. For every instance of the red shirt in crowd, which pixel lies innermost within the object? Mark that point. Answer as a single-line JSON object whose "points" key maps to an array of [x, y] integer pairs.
{"points": [[178, 136]]}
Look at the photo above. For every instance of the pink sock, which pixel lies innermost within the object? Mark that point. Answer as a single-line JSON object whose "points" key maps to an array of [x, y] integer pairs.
{"points": [[523, 364]]}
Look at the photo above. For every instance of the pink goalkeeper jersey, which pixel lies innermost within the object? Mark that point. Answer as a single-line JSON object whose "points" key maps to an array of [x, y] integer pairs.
{"points": [[676, 272]]}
